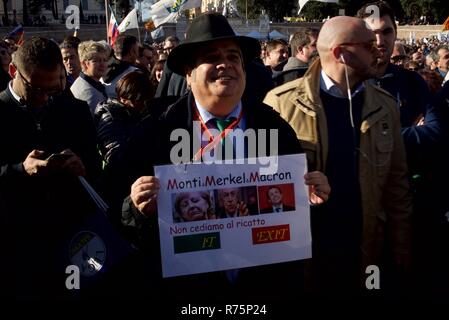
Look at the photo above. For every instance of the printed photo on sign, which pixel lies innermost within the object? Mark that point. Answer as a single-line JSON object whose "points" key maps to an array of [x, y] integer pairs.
{"points": [[193, 206], [277, 198], [209, 215], [236, 202]]}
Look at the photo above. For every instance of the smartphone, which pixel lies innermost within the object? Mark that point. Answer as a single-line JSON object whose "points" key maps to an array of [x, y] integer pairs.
{"points": [[59, 157]]}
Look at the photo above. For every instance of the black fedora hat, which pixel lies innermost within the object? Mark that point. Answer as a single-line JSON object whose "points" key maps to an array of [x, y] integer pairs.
{"points": [[206, 28]]}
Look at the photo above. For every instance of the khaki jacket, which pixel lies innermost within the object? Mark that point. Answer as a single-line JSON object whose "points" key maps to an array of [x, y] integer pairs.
{"points": [[386, 198]]}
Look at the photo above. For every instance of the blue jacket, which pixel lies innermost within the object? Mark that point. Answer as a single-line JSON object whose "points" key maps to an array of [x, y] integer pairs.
{"points": [[414, 100]]}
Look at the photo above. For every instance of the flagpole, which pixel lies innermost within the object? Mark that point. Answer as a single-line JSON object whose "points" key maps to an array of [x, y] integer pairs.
{"points": [[106, 6], [137, 14]]}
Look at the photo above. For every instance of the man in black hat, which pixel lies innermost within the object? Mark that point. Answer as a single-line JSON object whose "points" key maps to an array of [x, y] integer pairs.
{"points": [[212, 58]]}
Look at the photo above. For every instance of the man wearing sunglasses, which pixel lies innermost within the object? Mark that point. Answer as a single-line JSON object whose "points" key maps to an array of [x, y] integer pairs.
{"points": [[350, 130], [47, 140], [424, 122]]}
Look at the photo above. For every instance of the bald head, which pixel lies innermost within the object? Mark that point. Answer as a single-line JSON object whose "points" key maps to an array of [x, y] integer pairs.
{"points": [[346, 45], [341, 29]]}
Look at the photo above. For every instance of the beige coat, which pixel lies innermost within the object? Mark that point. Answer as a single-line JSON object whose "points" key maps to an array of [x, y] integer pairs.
{"points": [[386, 198]]}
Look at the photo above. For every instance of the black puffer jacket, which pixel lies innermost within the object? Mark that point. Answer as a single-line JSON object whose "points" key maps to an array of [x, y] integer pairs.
{"points": [[115, 124]]}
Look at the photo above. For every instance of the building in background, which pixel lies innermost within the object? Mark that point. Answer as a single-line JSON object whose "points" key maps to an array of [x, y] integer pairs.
{"points": [[93, 12]]}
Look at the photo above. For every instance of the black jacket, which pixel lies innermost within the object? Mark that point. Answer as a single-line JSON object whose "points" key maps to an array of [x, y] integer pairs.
{"points": [[116, 69], [4, 79], [289, 75], [152, 146], [65, 122], [115, 123], [40, 212]]}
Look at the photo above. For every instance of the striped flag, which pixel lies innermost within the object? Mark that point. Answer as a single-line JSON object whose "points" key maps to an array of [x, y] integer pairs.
{"points": [[17, 34], [112, 28]]}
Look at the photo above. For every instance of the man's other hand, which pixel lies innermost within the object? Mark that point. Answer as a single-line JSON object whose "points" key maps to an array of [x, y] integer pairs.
{"points": [[34, 165], [144, 193]]}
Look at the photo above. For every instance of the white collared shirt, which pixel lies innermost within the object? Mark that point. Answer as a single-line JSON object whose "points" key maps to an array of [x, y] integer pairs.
{"points": [[208, 118], [329, 86], [14, 94]]}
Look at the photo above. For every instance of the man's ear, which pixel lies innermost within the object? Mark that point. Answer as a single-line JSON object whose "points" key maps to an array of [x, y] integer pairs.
{"points": [[12, 70], [338, 54], [190, 75]]}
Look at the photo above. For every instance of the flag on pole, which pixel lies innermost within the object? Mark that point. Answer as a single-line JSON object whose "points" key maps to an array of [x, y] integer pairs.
{"points": [[112, 28], [302, 3], [17, 34], [165, 11], [130, 22], [446, 24]]}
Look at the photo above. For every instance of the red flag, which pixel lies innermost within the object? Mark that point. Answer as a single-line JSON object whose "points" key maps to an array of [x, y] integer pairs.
{"points": [[113, 29], [17, 34]]}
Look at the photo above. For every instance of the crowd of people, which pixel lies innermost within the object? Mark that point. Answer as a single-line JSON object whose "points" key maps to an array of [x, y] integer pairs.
{"points": [[369, 112]]}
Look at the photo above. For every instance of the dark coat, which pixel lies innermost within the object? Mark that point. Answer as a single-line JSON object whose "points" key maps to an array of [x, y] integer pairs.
{"points": [[426, 144], [177, 85], [162, 88], [153, 147], [292, 70], [41, 211], [414, 100], [4, 79], [289, 75], [115, 123]]}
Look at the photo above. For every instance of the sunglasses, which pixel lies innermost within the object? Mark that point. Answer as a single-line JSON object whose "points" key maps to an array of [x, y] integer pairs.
{"points": [[371, 46], [41, 91]]}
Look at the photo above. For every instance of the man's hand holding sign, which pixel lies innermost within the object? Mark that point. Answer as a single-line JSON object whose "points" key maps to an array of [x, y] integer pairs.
{"points": [[220, 148], [144, 192]]}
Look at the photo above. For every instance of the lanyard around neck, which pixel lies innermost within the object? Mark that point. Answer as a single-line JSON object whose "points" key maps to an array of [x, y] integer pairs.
{"points": [[213, 140]]}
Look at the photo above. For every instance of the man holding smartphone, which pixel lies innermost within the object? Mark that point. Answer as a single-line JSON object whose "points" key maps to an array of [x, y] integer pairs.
{"points": [[47, 140]]}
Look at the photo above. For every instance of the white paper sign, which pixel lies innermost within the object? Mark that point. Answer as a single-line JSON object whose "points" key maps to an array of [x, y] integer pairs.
{"points": [[220, 217]]}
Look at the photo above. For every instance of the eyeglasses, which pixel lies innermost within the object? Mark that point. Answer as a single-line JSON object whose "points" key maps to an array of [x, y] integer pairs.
{"points": [[371, 46], [41, 91]]}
